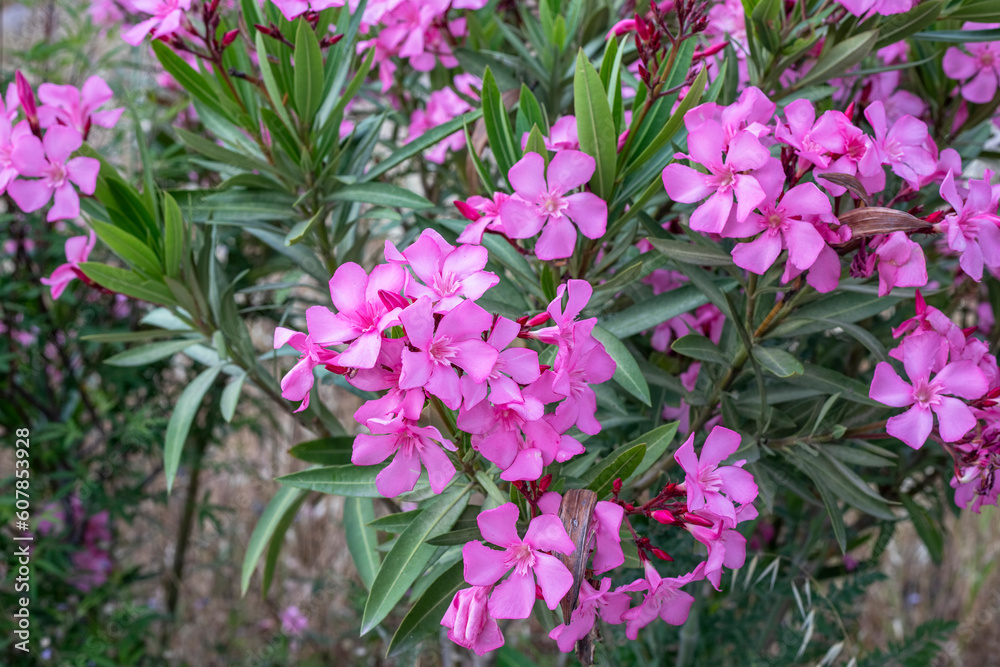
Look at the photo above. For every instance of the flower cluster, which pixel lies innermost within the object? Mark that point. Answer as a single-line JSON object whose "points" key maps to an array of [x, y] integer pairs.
{"points": [[709, 504], [413, 330], [542, 203], [92, 561], [37, 144], [954, 377]]}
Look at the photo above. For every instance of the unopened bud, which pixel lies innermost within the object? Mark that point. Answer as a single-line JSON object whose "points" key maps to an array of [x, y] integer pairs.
{"points": [[339, 370], [697, 520], [392, 300], [540, 318], [616, 485], [849, 111], [469, 212], [544, 482], [229, 37], [663, 516], [27, 97], [661, 554]]}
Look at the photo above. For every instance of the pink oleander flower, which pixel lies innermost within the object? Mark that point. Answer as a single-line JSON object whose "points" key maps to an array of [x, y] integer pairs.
{"points": [[10, 138], [442, 106], [706, 481], [412, 447], [167, 18], [447, 273], [292, 9], [57, 171], [728, 179], [362, 313], [800, 133], [973, 228], [785, 224], [484, 215], [469, 622], [979, 69], [727, 547], [901, 263], [526, 559], [293, 621], [384, 376], [921, 352], [664, 598], [513, 436], [610, 605], [543, 205], [883, 7], [562, 136], [515, 366], [605, 526], [434, 351], [975, 478], [77, 251], [835, 131], [297, 383], [901, 147], [77, 108]]}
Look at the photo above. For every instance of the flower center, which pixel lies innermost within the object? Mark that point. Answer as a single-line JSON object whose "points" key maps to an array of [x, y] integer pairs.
{"points": [[925, 393], [521, 558], [446, 285], [552, 203], [711, 480], [894, 150], [442, 351], [55, 174]]}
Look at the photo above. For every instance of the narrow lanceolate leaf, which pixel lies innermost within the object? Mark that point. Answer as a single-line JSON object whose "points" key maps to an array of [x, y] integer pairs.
{"points": [[689, 253], [381, 194], [174, 240], [980, 11], [619, 463], [657, 441], [192, 81], [505, 148], [700, 348], [926, 529], [627, 372], [181, 419], [839, 59], [419, 144], [276, 542], [777, 361], [362, 539], [325, 451], [285, 497], [342, 480], [135, 252], [231, 397], [898, 27], [660, 308], [410, 554], [147, 354], [595, 125], [308, 74], [424, 618]]}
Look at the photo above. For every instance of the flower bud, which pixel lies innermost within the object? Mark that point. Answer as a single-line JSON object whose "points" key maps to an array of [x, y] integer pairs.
{"points": [[27, 97], [663, 516], [467, 211], [544, 482], [616, 486], [661, 554], [229, 37]]}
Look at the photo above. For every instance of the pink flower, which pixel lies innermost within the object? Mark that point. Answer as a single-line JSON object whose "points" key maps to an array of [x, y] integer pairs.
{"points": [[442, 106], [447, 273], [664, 598], [512, 435], [562, 135], [411, 447], [883, 7], [610, 605], [901, 147], [167, 18], [484, 215], [801, 135], [973, 228], [727, 179], [293, 621], [727, 547], [787, 223], [514, 366], [542, 202], [469, 622], [294, 8], [77, 251], [384, 375], [298, 382], [979, 69], [900, 263], [77, 108], [961, 378], [526, 559], [92, 567], [10, 138], [58, 174], [842, 138], [706, 481], [362, 313], [435, 350]]}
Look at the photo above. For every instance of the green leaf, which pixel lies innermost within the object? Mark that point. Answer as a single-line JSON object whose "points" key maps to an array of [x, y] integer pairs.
{"points": [[421, 143], [134, 336], [498, 130], [536, 144], [618, 464], [128, 283], [778, 361], [835, 513], [660, 308], [490, 487], [361, 539], [898, 27], [832, 382], [147, 354], [181, 419], [843, 307], [595, 126], [285, 498], [174, 240], [424, 618], [927, 530], [231, 397], [214, 151], [410, 554], [381, 194], [301, 228], [191, 81], [669, 129], [134, 252], [699, 347], [275, 543], [460, 536], [657, 441], [627, 373], [396, 522], [338, 480], [325, 451], [837, 60], [978, 11], [529, 113], [689, 253], [958, 36], [308, 74]]}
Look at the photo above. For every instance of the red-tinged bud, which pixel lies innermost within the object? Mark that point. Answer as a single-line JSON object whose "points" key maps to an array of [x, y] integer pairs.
{"points": [[392, 300], [27, 97], [934, 217], [663, 516], [697, 520], [616, 485], [330, 41], [230, 37], [968, 331], [523, 320], [540, 318], [921, 304], [629, 507], [339, 370], [466, 210], [212, 7], [544, 483], [543, 367], [642, 28], [263, 28], [994, 393], [661, 554], [988, 403], [538, 593], [643, 72], [709, 52], [849, 111]]}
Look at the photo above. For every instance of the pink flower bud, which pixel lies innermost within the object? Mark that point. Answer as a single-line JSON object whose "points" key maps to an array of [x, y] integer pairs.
{"points": [[229, 37]]}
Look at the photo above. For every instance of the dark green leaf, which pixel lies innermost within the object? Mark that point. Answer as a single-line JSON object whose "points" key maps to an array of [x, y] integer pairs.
{"points": [[928, 531], [898, 27], [381, 194], [595, 126], [699, 347], [147, 354], [128, 283], [338, 480], [778, 361], [361, 539], [421, 143], [181, 419], [660, 308], [618, 464], [285, 497], [325, 451], [505, 148], [689, 253], [231, 397], [424, 618], [396, 522], [627, 373], [308, 74]]}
